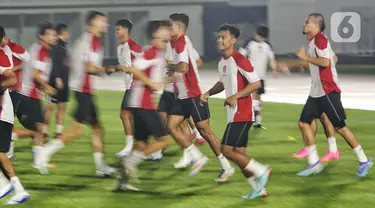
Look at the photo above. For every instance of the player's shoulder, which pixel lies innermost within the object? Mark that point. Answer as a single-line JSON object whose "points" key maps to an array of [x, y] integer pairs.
{"points": [[15, 47], [268, 44], [249, 42], [181, 43], [320, 41], [242, 62], [134, 46], [150, 53]]}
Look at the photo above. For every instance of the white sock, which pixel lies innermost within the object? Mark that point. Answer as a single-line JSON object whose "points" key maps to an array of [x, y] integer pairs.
{"points": [[18, 188], [45, 129], [252, 181], [332, 144], [129, 142], [360, 154], [14, 136], [53, 146], [225, 165], [258, 119], [186, 155], [99, 160], [3, 180], [195, 153], [256, 168], [59, 129], [313, 155], [135, 158], [197, 134]]}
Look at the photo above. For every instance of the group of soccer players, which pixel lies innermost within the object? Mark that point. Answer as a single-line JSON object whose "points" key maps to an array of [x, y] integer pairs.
{"points": [[169, 64]]}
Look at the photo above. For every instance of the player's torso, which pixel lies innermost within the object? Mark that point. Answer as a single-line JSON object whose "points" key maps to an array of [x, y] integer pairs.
{"points": [[228, 73], [258, 55], [6, 111], [125, 58]]}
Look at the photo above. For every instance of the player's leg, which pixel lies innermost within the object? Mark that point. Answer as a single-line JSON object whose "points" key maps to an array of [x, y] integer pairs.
{"points": [[308, 114], [333, 153], [303, 153], [201, 114], [233, 143], [195, 133], [127, 123], [258, 106], [20, 194], [332, 106], [186, 159], [48, 112], [178, 114], [60, 116]]}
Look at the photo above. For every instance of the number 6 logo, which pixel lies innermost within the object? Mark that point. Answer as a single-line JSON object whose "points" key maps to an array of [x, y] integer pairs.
{"points": [[345, 27]]}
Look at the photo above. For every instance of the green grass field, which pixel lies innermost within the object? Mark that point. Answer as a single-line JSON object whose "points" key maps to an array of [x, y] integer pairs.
{"points": [[74, 184]]}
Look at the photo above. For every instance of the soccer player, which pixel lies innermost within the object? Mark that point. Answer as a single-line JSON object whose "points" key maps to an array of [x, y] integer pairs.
{"points": [[34, 79], [188, 103], [7, 80], [148, 71], [127, 51], [168, 100], [87, 60], [260, 53], [238, 79], [58, 79], [19, 56], [325, 96]]}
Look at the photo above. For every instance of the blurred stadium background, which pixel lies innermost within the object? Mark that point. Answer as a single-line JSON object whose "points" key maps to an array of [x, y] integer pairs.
{"points": [[284, 17]]}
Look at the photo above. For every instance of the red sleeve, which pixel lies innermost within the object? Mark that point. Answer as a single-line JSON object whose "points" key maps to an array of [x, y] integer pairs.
{"points": [[136, 47], [95, 44], [243, 62], [321, 42], [4, 62], [16, 48], [180, 45], [150, 54]]}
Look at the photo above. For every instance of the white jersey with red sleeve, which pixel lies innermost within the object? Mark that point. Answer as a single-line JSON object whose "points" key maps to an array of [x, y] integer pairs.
{"points": [[324, 80], [126, 53], [87, 49], [40, 60], [189, 87], [6, 110], [19, 56], [152, 63], [236, 72]]}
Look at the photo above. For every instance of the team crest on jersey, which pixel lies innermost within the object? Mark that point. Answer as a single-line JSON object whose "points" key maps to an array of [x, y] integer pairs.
{"points": [[225, 69]]}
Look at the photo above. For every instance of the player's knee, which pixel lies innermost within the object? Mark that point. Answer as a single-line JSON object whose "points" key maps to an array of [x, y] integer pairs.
{"points": [[302, 125], [341, 127]]}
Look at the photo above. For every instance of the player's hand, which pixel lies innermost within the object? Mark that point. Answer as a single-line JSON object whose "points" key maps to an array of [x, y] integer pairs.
{"points": [[204, 97], [156, 86], [169, 73], [231, 101], [123, 68], [283, 68], [59, 83], [50, 90], [301, 53], [110, 70]]}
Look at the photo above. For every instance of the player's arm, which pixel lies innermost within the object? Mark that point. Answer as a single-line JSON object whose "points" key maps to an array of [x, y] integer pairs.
{"points": [[181, 67], [247, 71], [140, 75], [37, 75], [20, 53], [335, 59], [10, 80], [17, 68], [217, 88]]}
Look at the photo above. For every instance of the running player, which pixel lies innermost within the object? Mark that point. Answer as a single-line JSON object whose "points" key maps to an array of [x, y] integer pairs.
{"points": [[7, 80], [325, 96], [58, 79], [19, 56], [127, 51], [260, 53], [238, 79], [87, 59], [188, 103], [148, 71], [35, 77]]}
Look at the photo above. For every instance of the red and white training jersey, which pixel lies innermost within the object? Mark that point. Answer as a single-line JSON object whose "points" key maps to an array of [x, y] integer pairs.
{"points": [[236, 72], [152, 63], [6, 111], [87, 49], [19, 56], [40, 59], [126, 53], [183, 51], [324, 80]]}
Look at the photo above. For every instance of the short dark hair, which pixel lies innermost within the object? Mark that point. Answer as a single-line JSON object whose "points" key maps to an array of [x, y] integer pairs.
{"points": [[320, 20], [263, 31], [2, 32], [61, 27], [44, 27], [233, 30], [154, 26], [125, 23], [92, 14], [181, 17]]}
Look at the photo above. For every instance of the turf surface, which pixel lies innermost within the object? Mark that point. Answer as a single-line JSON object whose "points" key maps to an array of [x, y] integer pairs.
{"points": [[73, 183]]}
